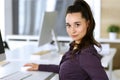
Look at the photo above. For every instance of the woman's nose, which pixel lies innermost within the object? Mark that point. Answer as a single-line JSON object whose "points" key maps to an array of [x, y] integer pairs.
{"points": [[73, 30]]}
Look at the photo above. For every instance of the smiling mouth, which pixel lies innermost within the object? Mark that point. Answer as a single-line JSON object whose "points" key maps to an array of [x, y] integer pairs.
{"points": [[74, 36]]}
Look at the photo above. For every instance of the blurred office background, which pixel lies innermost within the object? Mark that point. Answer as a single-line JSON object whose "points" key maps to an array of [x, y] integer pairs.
{"points": [[24, 17]]}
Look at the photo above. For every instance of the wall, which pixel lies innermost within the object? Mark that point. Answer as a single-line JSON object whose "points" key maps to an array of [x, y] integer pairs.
{"points": [[2, 20], [8, 17], [110, 14]]}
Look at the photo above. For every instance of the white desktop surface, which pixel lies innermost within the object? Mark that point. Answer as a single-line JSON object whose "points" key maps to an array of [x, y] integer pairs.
{"points": [[16, 66], [19, 57]]}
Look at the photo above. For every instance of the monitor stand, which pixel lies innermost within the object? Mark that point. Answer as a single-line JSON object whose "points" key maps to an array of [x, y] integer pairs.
{"points": [[3, 61], [2, 56]]}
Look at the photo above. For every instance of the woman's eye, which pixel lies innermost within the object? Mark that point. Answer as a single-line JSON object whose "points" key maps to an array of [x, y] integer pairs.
{"points": [[77, 25], [67, 25]]}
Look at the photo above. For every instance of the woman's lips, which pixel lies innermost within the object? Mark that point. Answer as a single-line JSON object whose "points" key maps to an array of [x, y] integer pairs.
{"points": [[73, 36]]}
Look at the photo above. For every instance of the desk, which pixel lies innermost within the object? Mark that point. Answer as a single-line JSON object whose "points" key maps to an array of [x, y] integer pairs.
{"points": [[19, 57], [16, 66], [23, 55]]}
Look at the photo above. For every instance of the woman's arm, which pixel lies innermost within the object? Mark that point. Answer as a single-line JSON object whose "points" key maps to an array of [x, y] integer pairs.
{"points": [[43, 67], [49, 68]]}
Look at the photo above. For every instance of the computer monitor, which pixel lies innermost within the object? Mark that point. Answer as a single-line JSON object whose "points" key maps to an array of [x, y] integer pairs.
{"points": [[47, 29], [2, 51]]}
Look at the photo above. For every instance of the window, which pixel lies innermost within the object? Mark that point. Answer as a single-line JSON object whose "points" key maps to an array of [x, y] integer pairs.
{"points": [[25, 16]]}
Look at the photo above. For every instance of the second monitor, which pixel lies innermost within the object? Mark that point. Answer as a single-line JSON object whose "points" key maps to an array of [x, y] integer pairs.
{"points": [[47, 34]]}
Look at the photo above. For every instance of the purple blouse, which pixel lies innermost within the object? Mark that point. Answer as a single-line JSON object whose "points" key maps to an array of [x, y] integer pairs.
{"points": [[86, 65]]}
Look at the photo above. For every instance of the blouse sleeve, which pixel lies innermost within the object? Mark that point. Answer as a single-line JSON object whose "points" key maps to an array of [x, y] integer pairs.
{"points": [[92, 65], [49, 68]]}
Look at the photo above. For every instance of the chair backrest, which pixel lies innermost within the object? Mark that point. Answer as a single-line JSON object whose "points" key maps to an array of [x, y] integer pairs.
{"points": [[105, 49]]}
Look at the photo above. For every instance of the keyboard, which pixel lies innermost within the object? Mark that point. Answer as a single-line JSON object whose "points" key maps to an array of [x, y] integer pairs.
{"points": [[16, 76]]}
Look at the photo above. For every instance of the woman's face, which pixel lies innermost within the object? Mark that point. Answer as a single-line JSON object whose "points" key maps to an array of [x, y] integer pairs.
{"points": [[76, 26]]}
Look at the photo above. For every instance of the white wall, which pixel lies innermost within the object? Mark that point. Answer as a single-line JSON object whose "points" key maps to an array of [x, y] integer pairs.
{"points": [[2, 18], [8, 17], [96, 9]]}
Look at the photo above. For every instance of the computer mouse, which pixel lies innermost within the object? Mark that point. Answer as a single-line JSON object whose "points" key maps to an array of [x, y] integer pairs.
{"points": [[25, 68]]}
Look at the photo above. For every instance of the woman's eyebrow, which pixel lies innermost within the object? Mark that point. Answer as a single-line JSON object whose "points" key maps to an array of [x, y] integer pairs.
{"points": [[77, 22], [67, 23]]}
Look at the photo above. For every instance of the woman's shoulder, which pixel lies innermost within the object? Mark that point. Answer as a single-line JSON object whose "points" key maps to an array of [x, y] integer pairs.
{"points": [[90, 51], [88, 56]]}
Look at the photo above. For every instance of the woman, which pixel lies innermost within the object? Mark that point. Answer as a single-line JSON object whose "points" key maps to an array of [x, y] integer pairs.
{"points": [[81, 61]]}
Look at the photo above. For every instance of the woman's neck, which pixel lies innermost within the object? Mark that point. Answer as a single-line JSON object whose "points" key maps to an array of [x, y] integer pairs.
{"points": [[77, 42]]}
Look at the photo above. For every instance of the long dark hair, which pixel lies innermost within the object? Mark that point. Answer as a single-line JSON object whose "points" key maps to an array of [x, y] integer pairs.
{"points": [[82, 7]]}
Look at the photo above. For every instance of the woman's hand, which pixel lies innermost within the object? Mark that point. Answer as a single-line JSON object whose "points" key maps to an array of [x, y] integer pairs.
{"points": [[33, 66]]}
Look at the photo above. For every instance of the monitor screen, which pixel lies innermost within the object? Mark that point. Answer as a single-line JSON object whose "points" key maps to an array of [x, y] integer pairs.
{"points": [[48, 24], [1, 44], [2, 51]]}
